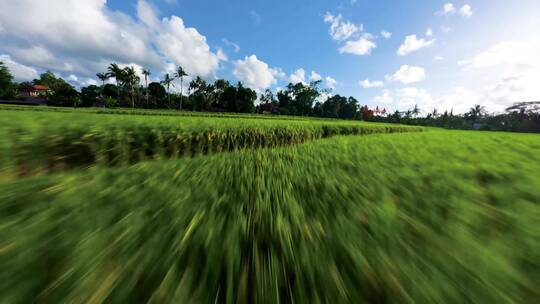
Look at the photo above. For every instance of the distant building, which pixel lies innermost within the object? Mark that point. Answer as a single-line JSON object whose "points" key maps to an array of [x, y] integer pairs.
{"points": [[34, 91]]}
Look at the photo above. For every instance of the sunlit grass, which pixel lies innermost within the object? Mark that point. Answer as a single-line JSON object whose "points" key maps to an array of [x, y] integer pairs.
{"points": [[434, 217]]}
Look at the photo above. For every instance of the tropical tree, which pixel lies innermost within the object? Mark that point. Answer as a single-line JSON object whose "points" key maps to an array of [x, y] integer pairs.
{"points": [[146, 73], [180, 73], [475, 112], [131, 79], [6, 79], [168, 81], [415, 111], [103, 77], [114, 71]]}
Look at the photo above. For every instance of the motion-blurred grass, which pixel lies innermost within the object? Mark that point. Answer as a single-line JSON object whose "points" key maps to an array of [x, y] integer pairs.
{"points": [[434, 217]]}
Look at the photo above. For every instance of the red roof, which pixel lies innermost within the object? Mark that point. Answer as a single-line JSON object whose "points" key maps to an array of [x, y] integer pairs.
{"points": [[38, 87]]}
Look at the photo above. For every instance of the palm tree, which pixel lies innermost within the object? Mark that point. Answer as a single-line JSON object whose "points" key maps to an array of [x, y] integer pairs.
{"points": [[117, 73], [103, 77], [415, 111], [131, 79], [146, 73], [180, 73], [167, 81], [476, 112]]}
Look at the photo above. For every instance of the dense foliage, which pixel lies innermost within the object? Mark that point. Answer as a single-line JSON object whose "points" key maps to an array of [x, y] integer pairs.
{"points": [[434, 217], [520, 117], [6, 82]]}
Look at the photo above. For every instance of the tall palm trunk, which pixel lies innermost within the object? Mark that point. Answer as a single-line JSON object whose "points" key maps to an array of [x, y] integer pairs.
{"points": [[117, 91], [181, 91], [169, 93], [146, 82], [132, 97]]}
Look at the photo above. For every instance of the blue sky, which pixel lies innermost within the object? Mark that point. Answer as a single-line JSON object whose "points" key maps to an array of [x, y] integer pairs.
{"points": [[462, 52]]}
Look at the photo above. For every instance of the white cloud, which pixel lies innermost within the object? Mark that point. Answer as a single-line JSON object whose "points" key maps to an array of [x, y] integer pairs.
{"points": [[186, 47], [510, 53], [386, 34], [330, 82], [235, 46], [438, 58], [98, 35], [299, 76], [257, 19], [405, 99], [360, 47], [448, 8], [429, 32], [367, 84], [446, 29], [412, 44], [315, 76], [77, 82], [19, 71], [383, 98], [339, 29], [255, 74], [466, 11], [408, 74], [147, 14], [507, 72]]}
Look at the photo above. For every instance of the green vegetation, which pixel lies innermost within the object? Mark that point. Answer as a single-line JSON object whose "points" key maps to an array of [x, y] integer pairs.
{"points": [[300, 100], [41, 141], [432, 217]]}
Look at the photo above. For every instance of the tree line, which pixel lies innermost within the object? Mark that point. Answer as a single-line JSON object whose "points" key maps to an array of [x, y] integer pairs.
{"points": [[520, 117], [129, 90]]}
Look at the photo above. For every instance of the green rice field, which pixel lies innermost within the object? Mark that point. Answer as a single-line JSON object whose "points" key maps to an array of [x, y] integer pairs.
{"points": [[168, 208]]}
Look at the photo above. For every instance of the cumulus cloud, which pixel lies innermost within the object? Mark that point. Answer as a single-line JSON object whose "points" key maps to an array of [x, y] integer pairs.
{"points": [[466, 11], [405, 99], [509, 72], [315, 76], [412, 44], [186, 47], [383, 98], [255, 73], [386, 34], [339, 29], [330, 82], [408, 74], [429, 32], [360, 47], [20, 72], [299, 76], [448, 8], [98, 35], [367, 84]]}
